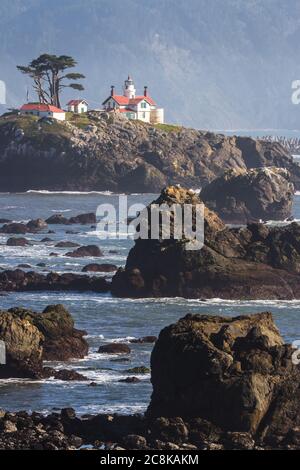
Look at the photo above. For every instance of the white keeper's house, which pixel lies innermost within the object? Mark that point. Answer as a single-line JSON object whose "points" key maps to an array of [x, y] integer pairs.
{"points": [[43, 111], [77, 106], [133, 106]]}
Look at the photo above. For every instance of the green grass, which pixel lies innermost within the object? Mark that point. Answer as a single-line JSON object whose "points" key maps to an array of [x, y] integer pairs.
{"points": [[168, 127], [41, 134], [79, 120]]}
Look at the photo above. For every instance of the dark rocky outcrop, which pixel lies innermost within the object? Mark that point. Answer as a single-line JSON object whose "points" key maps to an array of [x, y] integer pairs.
{"points": [[243, 196], [253, 262], [114, 348], [144, 339], [233, 372], [95, 268], [23, 343], [66, 244], [18, 280], [32, 226], [37, 225], [15, 228], [67, 375], [33, 337], [130, 380], [116, 154], [83, 219], [57, 219], [85, 251], [17, 241], [61, 341]]}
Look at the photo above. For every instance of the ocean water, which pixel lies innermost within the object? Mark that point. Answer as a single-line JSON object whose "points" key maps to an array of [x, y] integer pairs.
{"points": [[105, 319]]}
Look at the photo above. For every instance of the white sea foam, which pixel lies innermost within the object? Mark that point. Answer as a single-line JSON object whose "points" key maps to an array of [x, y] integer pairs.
{"points": [[71, 193]]}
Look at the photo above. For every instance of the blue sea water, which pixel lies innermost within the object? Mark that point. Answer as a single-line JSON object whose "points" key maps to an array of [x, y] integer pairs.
{"points": [[104, 318]]}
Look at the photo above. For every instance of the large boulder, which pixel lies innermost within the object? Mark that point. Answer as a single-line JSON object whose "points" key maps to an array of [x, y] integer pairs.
{"points": [[36, 225], [14, 241], [15, 228], [234, 372], [57, 219], [253, 262], [23, 342], [61, 341], [243, 196], [85, 251], [83, 219]]}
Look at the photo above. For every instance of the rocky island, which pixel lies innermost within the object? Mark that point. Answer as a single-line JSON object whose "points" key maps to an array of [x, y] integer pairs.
{"points": [[105, 151], [256, 261]]}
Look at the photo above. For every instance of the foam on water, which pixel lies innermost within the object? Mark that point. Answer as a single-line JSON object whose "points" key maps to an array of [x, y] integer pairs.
{"points": [[104, 318]]}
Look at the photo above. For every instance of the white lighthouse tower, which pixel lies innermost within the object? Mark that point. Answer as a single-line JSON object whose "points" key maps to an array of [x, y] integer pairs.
{"points": [[129, 88]]}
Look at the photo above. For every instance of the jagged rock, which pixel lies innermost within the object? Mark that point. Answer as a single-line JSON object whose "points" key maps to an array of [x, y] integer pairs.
{"points": [[138, 370], [18, 280], [130, 380], [253, 262], [115, 348], [63, 374], [243, 196], [234, 372], [83, 219], [61, 341], [94, 267], [85, 251], [23, 343], [17, 242], [36, 225], [144, 339], [122, 153], [57, 219], [66, 244], [15, 228]]}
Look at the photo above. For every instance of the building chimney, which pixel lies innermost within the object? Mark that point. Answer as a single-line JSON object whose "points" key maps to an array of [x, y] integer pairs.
{"points": [[145, 91], [112, 92]]}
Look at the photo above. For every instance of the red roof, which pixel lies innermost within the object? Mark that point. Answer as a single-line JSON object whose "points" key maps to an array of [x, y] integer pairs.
{"points": [[41, 107], [126, 110], [137, 99], [124, 101], [76, 102]]}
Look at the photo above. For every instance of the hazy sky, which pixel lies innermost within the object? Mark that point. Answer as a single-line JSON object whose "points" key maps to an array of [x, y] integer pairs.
{"points": [[211, 63]]}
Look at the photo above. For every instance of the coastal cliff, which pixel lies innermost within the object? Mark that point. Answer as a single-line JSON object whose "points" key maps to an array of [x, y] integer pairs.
{"points": [[108, 152]]}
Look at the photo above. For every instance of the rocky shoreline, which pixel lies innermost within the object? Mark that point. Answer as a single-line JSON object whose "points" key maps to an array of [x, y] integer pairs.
{"points": [[113, 153], [218, 383]]}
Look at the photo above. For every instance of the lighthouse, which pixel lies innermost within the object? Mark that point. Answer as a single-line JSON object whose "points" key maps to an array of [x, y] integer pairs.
{"points": [[129, 88], [133, 106]]}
